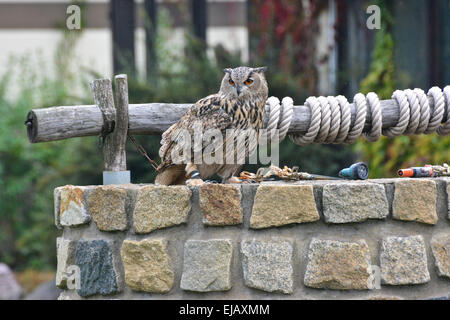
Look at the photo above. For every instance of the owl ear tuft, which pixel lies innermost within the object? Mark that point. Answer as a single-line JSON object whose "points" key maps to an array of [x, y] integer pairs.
{"points": [[260, 69], [227, 70]]}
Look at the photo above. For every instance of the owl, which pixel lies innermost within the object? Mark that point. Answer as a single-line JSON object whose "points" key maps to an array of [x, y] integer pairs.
{"points": [[238, 107]]}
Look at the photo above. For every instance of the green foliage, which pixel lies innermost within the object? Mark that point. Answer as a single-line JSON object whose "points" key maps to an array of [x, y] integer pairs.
{"points": [[30, 172], [387, 155]]}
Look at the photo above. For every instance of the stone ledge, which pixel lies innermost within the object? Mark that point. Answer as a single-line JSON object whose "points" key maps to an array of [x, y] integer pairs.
{"points": [[148, 207]]}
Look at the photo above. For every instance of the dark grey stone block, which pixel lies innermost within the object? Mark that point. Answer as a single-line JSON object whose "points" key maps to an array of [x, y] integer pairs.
{"points": [[97, 272]]}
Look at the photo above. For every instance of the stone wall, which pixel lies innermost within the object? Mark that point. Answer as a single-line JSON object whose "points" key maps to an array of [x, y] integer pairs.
{"points": [[303, 240]]}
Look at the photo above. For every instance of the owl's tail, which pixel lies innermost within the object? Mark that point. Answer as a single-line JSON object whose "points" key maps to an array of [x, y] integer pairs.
{"points": [[172, 175]]}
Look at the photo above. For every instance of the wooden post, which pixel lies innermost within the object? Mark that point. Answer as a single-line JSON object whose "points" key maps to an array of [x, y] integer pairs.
{"points": [[103, 98], [119, 136], [115, 127]]}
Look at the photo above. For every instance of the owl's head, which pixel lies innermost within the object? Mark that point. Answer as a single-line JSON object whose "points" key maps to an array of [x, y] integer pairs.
{"points": [[244, 83]]}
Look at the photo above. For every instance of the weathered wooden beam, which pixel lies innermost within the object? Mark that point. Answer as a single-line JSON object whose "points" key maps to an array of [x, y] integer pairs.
{"points": [[59, 123]]}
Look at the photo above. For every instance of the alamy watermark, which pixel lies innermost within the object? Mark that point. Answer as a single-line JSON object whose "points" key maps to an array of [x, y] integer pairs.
{"points": [[72, 276], [374, 20], [374, 280], [231, 146], [73, 21]]}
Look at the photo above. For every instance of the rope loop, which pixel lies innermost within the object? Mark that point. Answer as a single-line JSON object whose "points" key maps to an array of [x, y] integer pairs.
{"points": [[444, 129], [331, 117], [374, 108], [314, 126], [403, 121], [346, 117], [360, 104], [287, 106], [438, 104], [335, 121]]}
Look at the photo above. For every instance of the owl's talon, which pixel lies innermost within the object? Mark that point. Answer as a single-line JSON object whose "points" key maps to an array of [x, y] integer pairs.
{"points": [[195, 175]]}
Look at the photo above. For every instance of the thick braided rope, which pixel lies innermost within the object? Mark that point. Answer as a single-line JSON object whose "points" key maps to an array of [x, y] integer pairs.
{"points": [[331, 116], [444, 129]]}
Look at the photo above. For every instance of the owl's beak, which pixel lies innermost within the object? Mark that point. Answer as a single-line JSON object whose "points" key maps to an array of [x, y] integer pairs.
{"points": [[239, 90]]}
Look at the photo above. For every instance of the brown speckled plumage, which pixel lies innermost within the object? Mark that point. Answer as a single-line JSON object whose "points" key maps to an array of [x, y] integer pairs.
{"points": [[239, 104]]}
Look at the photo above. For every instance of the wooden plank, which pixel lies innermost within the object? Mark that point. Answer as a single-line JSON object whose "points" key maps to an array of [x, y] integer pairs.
{"points": [[57, 123]]}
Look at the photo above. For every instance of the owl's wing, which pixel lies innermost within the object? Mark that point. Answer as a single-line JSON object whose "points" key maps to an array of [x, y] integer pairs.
{"points": [[208, 113]]}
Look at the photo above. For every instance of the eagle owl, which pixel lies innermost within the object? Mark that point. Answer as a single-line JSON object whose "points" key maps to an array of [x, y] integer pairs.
{"points": [[239, 105]]}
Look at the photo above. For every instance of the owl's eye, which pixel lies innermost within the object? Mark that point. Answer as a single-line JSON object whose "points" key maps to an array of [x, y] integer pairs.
{"points": [[248, 82], [231, 82]]}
